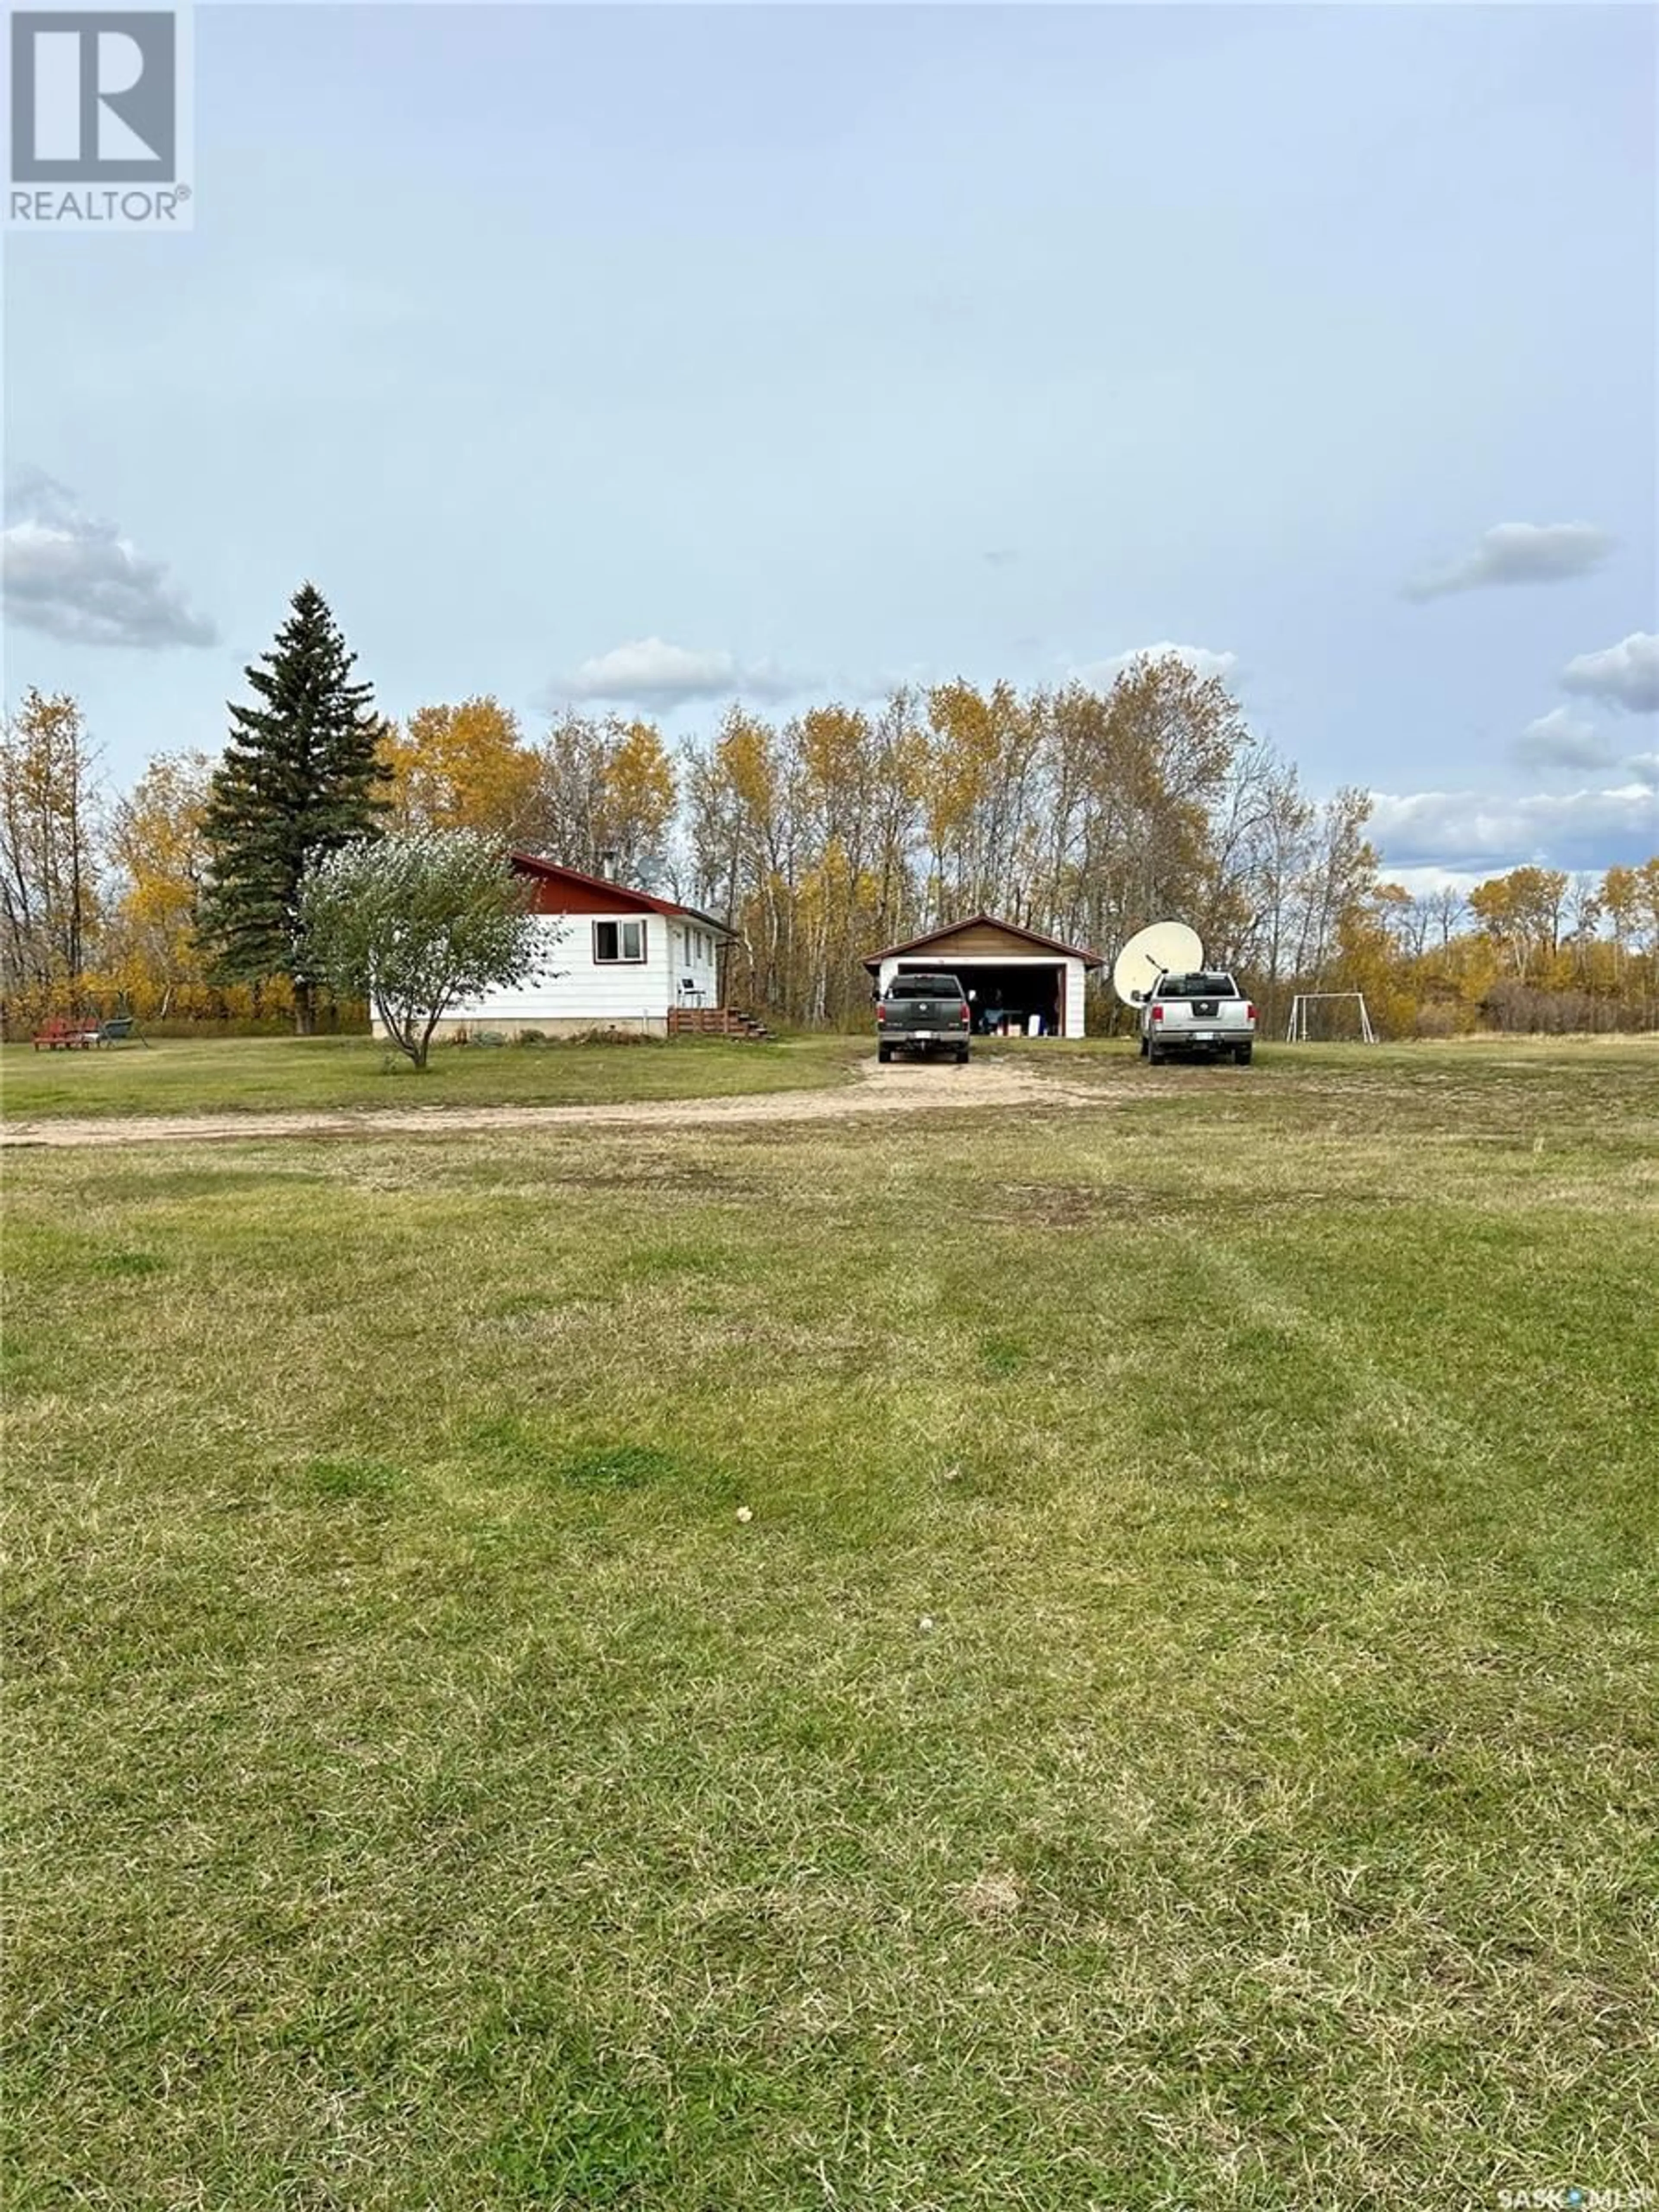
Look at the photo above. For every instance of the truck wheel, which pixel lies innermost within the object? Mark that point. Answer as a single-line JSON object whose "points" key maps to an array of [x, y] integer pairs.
{"points": [[962, 1055], [1242, 1054], [1142, 1048], [884, 1053], [1154, 1053]]}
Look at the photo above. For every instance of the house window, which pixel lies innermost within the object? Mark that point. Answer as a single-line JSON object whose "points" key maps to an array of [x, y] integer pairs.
{"points": [[618, 940]]}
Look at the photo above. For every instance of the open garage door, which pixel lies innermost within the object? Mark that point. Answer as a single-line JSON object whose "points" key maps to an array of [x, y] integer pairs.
{"points": [[1005, 999]]}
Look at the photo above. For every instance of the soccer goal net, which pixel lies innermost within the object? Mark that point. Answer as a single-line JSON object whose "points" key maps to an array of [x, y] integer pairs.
{"points": [[1329, 1017]]}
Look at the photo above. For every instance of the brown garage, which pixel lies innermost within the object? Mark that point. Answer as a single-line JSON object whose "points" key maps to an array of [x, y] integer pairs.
{"points": [[1018, 982]]}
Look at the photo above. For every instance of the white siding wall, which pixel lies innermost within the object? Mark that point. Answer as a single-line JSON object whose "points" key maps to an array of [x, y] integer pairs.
{"points": [[1076, 975], [581, 993], [692, 951]]}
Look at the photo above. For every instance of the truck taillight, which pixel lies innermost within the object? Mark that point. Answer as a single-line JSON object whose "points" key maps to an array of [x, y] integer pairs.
{"points": [[1250, 1012], [1158, 1013], [881, 1015], [962, 1013]]}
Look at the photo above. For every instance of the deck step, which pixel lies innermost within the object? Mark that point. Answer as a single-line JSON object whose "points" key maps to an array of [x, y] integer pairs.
{"points": [[716, 1021]]}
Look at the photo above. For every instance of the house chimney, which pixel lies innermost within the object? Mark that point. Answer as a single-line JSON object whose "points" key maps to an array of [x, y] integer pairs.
{"points": [[608, 866]]}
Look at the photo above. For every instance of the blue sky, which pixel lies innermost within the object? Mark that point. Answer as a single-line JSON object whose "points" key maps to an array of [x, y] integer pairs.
{"points": [[640, 355]]}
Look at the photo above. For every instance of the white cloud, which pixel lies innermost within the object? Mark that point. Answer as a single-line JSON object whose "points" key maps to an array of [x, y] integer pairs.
{"points": [[1625, 675], [1427, 881], [1101, 675], [872, 689], [1463, 829], [650, 672], [1642, 767], [79, 580], [1561, 739], [1520, 553]]}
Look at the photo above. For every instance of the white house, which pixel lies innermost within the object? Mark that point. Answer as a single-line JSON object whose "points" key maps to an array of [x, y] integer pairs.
{"points": [[1020, 982], [618, 959]]}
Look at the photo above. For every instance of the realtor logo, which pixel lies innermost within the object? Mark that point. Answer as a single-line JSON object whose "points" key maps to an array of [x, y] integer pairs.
{"points": [[95, 104]]}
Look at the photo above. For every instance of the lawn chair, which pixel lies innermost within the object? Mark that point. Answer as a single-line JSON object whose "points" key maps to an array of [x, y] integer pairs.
{"points": [[60, 1036], [122, 1029]]}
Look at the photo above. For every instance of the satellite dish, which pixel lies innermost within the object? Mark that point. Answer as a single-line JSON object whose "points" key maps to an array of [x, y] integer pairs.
{"points": [[1167, 948]]}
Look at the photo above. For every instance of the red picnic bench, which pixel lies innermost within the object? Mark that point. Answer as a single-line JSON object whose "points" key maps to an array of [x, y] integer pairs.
{"points": [[69, 1037]]}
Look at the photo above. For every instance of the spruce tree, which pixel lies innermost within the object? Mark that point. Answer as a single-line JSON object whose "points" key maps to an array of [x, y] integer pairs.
{"points": [[300, 778]]}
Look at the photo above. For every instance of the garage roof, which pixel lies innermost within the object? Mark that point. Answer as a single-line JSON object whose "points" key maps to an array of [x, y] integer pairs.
{"points": [[937, 939]]}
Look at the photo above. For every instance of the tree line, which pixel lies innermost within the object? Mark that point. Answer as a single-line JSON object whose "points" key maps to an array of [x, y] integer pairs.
{"points": [[822, 837]]}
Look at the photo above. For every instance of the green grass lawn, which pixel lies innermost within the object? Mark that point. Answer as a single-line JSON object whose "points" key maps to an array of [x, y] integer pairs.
{"points": [[292, 1074], [428, 1794]]}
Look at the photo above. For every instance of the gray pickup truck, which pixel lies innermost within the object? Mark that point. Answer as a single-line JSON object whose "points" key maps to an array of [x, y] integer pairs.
{"points": [[925, 1014], [1207, 1015]]}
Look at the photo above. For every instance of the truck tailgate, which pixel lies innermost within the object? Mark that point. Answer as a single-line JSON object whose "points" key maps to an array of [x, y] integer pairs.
{"points": [[1194, 1018], [924, 1016]]}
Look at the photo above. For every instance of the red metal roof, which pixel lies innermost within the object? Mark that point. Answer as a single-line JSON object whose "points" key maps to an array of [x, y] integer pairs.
{"points": [[989, 921], [552, 871]]}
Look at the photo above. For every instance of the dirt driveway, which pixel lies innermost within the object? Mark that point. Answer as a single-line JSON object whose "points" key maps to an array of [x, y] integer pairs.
{"points": [[875, 1090]]}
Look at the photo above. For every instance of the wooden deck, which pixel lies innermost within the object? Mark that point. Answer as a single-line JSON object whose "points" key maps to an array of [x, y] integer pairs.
{"points": [[716, 1021]]}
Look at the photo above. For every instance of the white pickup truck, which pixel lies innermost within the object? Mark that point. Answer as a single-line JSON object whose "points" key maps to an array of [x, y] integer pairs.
{"points": [[1204, 1014]]}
